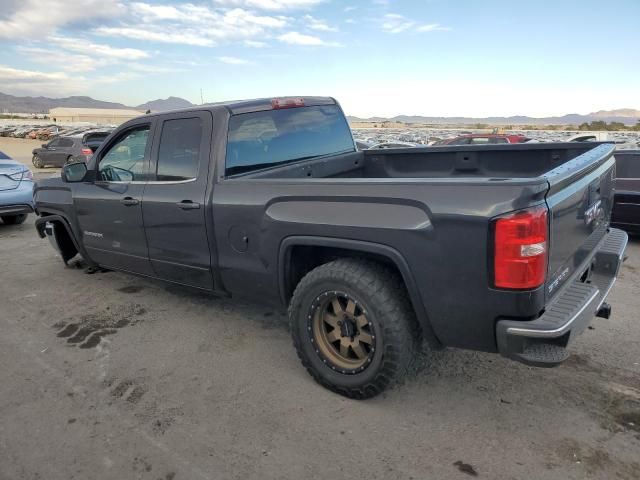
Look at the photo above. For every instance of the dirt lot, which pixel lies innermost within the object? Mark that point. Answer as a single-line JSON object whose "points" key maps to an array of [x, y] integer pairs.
{"points": [[110, 376]]}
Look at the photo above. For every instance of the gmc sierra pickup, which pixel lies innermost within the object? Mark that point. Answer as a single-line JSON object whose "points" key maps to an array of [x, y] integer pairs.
{"points": [[501, 248]]}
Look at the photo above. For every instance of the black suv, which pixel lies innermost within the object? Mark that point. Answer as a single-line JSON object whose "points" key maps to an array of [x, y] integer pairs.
{"points": [[68, 149]]}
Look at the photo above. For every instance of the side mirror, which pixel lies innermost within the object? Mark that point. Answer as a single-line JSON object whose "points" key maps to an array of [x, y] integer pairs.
{"points": [[73, 172]]}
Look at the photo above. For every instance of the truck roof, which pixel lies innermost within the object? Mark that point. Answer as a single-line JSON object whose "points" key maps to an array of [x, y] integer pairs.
{"points": [[235, 107]]}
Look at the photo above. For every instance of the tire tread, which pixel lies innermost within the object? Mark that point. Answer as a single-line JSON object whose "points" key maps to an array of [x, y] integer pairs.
{"points": [[399, 325]]}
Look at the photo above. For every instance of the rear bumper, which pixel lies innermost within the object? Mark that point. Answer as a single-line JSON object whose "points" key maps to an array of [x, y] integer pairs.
{"points": [[17, 201], [542, 342], [15, 209]]}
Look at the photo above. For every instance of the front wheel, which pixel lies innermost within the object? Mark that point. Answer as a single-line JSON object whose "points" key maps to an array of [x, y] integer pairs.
{"points": [[37, 161], [14, 219], [353, 327]]}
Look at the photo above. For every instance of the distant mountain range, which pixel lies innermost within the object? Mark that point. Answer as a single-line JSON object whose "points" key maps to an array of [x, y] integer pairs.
{"points": [[160, 105], [12, 104], [627, 116]]}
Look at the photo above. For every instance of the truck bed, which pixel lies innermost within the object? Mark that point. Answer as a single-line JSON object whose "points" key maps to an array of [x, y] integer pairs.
{"points": [[494, 162]]}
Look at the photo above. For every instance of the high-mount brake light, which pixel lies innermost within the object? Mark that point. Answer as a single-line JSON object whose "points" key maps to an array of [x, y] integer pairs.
{"points": [[521, 241], [280, 103]]}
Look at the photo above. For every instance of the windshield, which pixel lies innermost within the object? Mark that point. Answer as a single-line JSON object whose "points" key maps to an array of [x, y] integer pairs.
{"points": [[264, 139]]}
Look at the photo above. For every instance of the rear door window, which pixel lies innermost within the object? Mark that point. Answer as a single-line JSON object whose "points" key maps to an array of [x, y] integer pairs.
{"points": [[274, 137], [66, 142], [179, 152]]}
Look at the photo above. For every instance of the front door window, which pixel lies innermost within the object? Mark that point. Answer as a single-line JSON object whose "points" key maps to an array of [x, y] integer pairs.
{"points": [[125, 160]]}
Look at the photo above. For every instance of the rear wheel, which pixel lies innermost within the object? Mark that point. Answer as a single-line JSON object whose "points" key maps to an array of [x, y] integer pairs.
{"points": [[14, 219], [353, 327], [69, 159], [37, 161]]}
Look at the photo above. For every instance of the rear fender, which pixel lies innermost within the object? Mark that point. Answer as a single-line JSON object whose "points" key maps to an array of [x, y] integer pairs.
{"points": [[356, 246]]}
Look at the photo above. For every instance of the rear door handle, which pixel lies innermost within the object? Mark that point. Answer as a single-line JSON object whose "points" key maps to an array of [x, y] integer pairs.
{"points": [[188, 205], [129, 201]]}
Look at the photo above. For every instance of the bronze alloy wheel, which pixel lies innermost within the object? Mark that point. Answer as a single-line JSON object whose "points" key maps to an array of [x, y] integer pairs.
{"points": [[344, 337]]}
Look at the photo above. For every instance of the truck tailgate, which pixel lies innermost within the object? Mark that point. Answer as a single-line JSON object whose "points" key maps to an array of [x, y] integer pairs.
{"points": [[580, 198]]}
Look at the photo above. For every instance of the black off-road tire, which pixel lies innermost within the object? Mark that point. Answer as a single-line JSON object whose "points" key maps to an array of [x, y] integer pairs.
{"points": [[381, 292], [37, 161], [14, 219]]}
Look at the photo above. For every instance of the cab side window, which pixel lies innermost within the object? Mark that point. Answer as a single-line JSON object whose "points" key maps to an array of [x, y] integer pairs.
{"points": [[125, 161]]}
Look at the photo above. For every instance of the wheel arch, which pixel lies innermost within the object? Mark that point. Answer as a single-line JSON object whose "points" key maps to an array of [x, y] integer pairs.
{"points": [[290, 272], [60, 220]]}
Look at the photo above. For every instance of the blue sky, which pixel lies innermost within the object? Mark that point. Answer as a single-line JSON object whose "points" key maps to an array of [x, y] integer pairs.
{"points": [[377, 57]]}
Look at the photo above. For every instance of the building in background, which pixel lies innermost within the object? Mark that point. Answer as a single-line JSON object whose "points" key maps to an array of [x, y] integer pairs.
{"points": [[105, 116]]}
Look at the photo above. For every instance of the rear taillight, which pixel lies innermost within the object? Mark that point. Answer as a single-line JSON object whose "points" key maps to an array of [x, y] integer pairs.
{"points": [[520, 249], [86, 151], [23, 175], [280, 103]]}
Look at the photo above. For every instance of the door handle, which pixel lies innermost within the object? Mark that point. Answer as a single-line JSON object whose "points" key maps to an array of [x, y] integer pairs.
{"points": [[188, 205], [129, 201]]}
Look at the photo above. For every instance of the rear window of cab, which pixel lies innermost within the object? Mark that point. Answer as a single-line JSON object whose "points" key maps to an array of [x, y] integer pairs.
{"points": [[269, 138]]}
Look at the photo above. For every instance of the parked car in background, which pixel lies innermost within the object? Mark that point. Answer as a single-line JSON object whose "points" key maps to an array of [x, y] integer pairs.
{"points": [[362, 145], [483, 139], [386, 145], [626, 202], [7, 131], [16, 191], [68, 149]]}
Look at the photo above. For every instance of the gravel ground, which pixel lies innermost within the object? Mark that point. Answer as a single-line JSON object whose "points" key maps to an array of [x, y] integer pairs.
{"points": [[110, 376]]}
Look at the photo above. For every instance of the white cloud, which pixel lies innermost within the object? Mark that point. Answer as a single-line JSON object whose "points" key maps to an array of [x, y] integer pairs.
{"points": [[432, 27], [233, 60], [296, 38], [255, 44], [396, 23], [31, 82], [101, 50], [190, 24], [35, 19], [185, 38], [270, 4], [66, 61], [319, 25], [9, 74]]}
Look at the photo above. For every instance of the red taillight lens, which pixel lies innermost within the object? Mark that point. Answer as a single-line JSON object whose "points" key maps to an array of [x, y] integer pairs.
{"points": [[280, 103], [520, 249], [86, 151]]}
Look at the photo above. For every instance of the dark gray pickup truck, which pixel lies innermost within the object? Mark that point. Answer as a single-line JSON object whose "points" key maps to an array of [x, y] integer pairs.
{"points": [[503, 248]]}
